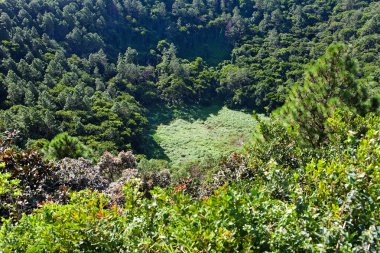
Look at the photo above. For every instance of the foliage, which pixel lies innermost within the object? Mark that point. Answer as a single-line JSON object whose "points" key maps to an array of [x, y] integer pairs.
{"points": [[80, 174], [67, 66], [329, 204], [27, 171], [86, 211], [63, 145], [9, 192], [90, 71], [28, 180], [330, 83]]}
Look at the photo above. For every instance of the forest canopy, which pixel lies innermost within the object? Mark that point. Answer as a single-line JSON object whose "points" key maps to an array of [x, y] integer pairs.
{"points": [[94, 68]]}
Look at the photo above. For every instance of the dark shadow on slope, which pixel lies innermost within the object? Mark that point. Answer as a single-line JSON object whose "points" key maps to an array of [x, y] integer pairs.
{"points": [[151, 148], [165, 115]]}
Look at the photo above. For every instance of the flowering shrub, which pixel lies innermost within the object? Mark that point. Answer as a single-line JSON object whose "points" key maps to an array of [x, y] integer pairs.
{"points": [[112, 167], [36, 178], [80, 174]]}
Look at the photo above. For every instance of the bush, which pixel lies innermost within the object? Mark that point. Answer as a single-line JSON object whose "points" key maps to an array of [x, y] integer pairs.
{"points": [[36, 177], [80, 174], [9, 192]]}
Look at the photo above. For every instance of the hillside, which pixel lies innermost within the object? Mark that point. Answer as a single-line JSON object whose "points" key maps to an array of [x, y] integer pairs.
{"points": [[92, 68], [189, 126]]}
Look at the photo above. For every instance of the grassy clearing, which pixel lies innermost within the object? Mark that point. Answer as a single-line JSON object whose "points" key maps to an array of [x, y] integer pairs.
{"points": [[219, 131]]}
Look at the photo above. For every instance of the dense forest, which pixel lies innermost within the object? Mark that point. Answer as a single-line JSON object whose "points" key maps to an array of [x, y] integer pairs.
{"points": [[80, 170]]}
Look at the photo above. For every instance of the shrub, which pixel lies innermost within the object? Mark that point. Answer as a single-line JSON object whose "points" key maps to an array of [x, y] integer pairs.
{"points": [[9, 193], [80, 174], [36, 177]]}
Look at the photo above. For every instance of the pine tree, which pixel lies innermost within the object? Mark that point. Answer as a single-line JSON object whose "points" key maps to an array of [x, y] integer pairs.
{"points": [[15, 88], [64, 145], [330, 83]]}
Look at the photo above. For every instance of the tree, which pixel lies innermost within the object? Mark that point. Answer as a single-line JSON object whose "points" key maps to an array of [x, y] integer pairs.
{"points": [[15, 88], [47, 23], [330, 83], [5, 25], [3, 92], [372, 26], [63, 145], [236, 26], [30, 94]]}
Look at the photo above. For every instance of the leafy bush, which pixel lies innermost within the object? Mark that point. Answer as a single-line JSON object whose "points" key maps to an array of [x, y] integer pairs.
{"points": [[40, 181], [9, 192], [80, 174], [36, 177], [78, 226]]}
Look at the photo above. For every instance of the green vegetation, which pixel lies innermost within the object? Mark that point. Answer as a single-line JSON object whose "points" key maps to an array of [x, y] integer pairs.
{"points": [[221, 133], [330, 83], [123, 126], [94, 68], [327, 204], [9, 192], [63, 145]]}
